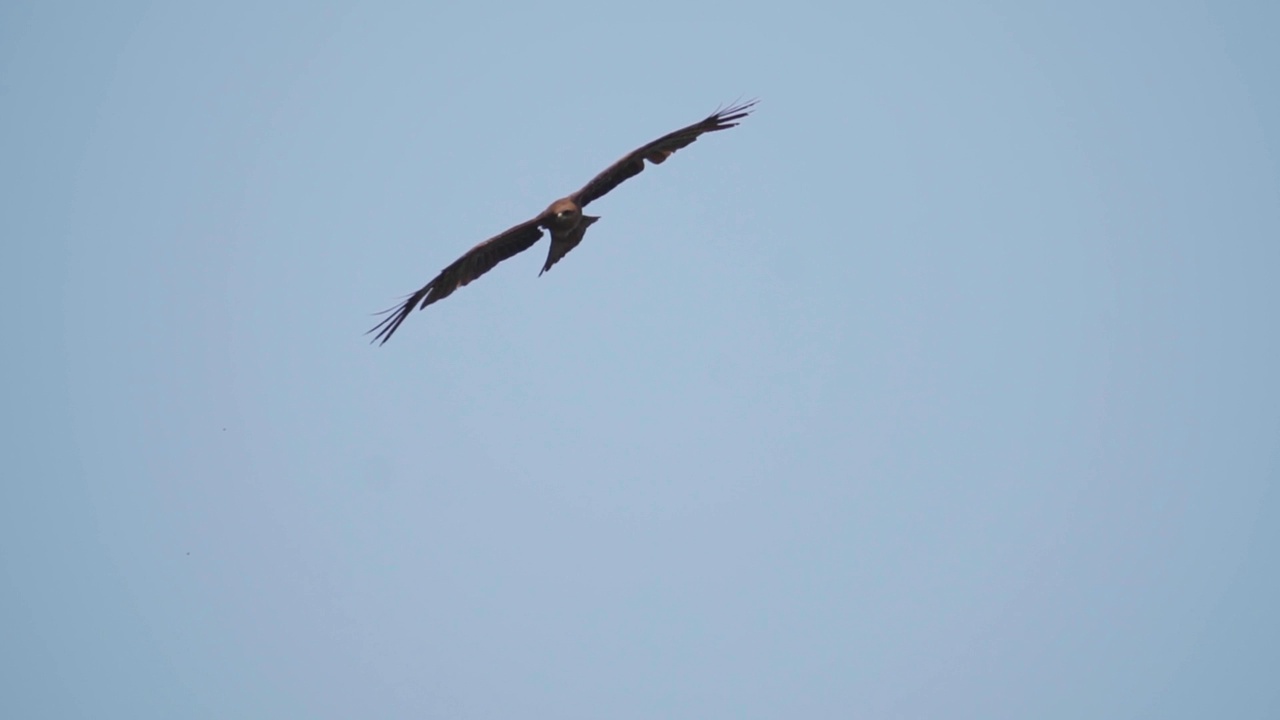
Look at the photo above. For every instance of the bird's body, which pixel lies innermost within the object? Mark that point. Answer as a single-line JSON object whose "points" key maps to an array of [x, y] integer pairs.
{"points": [[567, 225], [564, 219]]}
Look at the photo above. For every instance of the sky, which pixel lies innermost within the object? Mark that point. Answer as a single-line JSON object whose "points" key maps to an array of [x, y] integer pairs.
{"points": [[943, 386]]}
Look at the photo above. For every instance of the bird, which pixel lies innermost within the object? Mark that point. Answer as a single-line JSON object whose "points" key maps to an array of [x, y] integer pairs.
{"points": [[564, 219]]}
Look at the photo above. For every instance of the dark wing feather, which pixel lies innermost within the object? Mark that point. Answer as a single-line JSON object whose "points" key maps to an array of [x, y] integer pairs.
{"points": [[658, 151], [475, 262]]}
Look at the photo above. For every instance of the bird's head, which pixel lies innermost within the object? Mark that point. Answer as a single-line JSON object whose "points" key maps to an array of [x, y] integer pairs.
{"points": [[563, 214]]}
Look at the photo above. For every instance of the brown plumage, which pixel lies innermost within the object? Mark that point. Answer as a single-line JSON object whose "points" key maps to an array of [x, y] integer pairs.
{"points": [[563, 218]]}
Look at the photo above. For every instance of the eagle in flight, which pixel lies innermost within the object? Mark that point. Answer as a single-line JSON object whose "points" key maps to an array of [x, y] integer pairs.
{"points": [[564, 218]]}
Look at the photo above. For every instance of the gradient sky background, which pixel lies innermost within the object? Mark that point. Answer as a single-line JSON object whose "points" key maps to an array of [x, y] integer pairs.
{"points": [[944, 386]]}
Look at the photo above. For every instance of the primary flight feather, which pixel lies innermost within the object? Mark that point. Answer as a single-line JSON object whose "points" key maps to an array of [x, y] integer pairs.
{"points": [[563, 218]]}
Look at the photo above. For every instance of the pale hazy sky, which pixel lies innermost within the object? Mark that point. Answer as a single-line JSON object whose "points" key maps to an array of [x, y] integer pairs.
{"points": [[945, 386]]}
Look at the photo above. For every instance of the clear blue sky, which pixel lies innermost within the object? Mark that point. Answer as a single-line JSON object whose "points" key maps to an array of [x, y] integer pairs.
{"points": [[944, 386]]}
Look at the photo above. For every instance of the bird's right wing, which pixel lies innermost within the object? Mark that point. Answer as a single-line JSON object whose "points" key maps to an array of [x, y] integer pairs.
{"points": [[475, 262]]}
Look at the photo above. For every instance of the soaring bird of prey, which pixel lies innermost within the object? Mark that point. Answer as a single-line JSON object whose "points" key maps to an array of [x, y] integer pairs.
{"points": [[564, 218]]}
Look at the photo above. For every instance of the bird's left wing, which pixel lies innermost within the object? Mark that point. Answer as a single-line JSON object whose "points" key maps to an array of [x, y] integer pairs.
{"points": [[658, 151]]}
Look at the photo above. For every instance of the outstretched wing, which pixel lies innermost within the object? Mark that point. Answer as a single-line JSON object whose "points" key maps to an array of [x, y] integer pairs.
{"points": [[658, 151], [475, 262]]}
